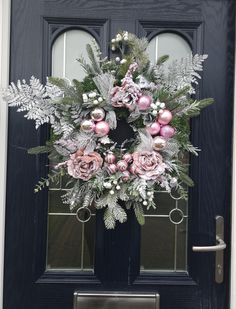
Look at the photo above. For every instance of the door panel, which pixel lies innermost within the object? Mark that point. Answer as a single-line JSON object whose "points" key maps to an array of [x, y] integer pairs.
{"points": [[207, 26]]}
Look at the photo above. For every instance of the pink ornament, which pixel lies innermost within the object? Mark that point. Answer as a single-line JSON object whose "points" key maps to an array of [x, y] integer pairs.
{"points": [[144, 102], [110, 158], [125, 175], [128, 157], [122, 165], [167, 131], [153, 128], [112, 168], [87, 126], [165, 117], [102, 128]]}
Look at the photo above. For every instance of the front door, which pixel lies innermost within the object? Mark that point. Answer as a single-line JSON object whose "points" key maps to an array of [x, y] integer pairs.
{"points": [[48, 253]]}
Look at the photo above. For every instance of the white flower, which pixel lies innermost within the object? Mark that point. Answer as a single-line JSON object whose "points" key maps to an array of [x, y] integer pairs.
{"points": [[118, 37]]}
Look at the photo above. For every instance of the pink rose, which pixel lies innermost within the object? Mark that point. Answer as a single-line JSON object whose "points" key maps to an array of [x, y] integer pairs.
{"points": [[147, 165], [84, 166]]}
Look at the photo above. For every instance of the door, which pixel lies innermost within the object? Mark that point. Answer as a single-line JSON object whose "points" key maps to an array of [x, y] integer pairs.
{"points": [[48, 255]]}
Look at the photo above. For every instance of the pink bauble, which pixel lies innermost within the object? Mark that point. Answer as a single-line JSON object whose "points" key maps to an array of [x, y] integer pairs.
{"points": [[125, 175], [112, 168], [167, 131], [165, 117], [144, 102], [128, 157], [102, 128], [153, 128], [110, 158], [122, 165], [87, 126], [97, 114]]}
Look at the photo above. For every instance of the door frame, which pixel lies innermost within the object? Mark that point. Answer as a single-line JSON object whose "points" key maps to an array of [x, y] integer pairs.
{"points": [[5, 14]]}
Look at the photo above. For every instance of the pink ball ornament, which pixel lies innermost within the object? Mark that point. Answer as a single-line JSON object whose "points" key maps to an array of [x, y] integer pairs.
{"points": [[128, 157], [102, 128], [87, 126], [144, 102], [167, 131], [110, 158], [97, 114], [122, 165], [153, 128], [112, 168], [125, 175], [165, 117]]}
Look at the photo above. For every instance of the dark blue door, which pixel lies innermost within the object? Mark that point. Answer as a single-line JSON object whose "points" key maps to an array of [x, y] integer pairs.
{"points": [[47, 254]]}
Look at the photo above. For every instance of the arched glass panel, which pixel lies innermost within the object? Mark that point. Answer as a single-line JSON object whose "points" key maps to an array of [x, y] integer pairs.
{"points": [[70, 242], [164, 235], [170, 44], [67, 48]]}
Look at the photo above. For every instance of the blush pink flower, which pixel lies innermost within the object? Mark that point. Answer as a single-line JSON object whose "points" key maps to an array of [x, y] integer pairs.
{"points": [[148, 165], [84, 166]]}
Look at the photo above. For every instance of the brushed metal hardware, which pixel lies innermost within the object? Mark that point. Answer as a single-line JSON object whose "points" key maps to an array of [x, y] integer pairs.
{"points": [[116, 300], [218, 249]]}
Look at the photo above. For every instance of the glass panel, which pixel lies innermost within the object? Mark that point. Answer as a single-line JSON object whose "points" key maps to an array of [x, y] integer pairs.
{"points": [[168, 44], [164, 235], [68, 47], [70, 242]]}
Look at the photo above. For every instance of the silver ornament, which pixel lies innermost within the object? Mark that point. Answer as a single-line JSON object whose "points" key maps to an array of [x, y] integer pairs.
{"points": [[87, 126], [159, 143], [97, 114]]}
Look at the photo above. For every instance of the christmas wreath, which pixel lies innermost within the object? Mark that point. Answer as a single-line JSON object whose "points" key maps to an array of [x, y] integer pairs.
{"points": [[155, 101]]}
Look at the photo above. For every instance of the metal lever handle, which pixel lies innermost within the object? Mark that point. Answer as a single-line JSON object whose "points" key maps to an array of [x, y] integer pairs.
{"points": [[218, 249], [221, 245]]}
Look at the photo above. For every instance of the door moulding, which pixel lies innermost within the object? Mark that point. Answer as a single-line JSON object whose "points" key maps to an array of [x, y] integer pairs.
{"points": [[4, 80]]}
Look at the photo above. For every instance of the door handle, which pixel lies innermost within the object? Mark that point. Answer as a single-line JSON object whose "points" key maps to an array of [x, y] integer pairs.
{"points": [[220, 245], [218, 248]]}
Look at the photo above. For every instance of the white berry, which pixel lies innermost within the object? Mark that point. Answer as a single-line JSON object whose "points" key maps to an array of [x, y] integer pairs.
{"points": [[153, 106], [145, 203], [118, 187], [100, 99], [95, 102], [160, 111], [112, 192], [149, 193], [117, 59], [162, 105], [107, 185], [115, 182], [123, 61], [154, 113]]}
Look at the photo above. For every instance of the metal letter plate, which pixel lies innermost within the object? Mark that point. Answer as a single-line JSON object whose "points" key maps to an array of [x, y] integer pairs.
{"points": [[109, 300]]}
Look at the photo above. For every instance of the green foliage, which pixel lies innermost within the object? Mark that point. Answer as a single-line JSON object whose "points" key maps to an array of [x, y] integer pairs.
{"points": [[162, 59], [53, 177], [39, 149], [186, 179], [138, 210], [93, 59]]}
